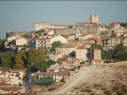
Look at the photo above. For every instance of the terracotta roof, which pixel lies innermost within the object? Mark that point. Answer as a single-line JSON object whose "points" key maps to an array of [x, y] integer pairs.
{"points": [[83, 35], [13, 88], [116, 22], [7, 69], [64, 59], [75, 43], [38, 38], [100, 25], [104, 36], [87, 43], [4, 69], [91, 39], [82, 23], [63, 72], [66, 36], [66, 46], [59, 62], [81, 47], [15, 94], [4, 83], [110, 26]]}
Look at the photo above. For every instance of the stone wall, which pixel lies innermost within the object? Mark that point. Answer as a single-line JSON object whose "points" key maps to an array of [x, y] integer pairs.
{"points": [[10, 34]]}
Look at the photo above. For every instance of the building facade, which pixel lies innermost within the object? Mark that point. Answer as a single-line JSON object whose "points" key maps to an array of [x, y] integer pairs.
{"points": [[81, 52]]}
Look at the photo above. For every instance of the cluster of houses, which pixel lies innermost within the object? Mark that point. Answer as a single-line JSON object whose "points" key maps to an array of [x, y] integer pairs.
{"points": [[68, 56]]}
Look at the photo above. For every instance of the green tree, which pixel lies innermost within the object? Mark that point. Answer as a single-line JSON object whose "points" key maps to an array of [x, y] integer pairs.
{"points": [[6, 59], [124, 24], [27, 36], [19, 60], [2, 45], [39, 34], [83, 62], [50, 62], [113, 34], [36, 59], [55, 44]]}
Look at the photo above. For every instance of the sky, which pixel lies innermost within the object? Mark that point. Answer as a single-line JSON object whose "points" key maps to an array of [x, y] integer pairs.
{"points": [[22, 15]]}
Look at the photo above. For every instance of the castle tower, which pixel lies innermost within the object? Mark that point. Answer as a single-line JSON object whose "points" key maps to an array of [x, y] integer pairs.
{"points": [[7, 34], [94, 19]]}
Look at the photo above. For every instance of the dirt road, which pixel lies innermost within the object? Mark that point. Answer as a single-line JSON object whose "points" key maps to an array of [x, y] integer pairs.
{"points": [[76, 79]]}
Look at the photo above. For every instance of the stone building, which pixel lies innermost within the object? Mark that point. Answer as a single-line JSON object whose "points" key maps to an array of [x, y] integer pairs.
{"points": [[96, 56], [111, 42], [10, 34], [81, 52], [94, 19], [91, 26], [45, 25]]}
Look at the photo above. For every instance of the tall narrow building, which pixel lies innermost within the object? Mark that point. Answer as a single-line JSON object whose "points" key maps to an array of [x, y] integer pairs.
{"points": [[94, 19]]}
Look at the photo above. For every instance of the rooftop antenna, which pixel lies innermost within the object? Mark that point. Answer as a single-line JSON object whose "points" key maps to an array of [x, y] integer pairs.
{"points": [[31, 83]]}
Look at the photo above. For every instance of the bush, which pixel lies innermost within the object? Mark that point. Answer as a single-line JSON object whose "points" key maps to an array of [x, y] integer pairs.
{"points": [[119, 92], [97, 85], [107, 92], [51, 89], [88, 90], [92, 94], [115, 88], [124, 89], [107, 61], [103, 88]]}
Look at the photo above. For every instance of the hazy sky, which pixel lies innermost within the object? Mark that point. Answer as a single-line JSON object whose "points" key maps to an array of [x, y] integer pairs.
{"points": [[22, 15]]}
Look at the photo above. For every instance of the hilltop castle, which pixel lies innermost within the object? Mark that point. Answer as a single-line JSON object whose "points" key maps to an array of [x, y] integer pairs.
{"points": [[79, 27]]}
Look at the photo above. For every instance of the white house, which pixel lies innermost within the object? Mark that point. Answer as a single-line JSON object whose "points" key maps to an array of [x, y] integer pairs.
{"points": [[84, 37], [81, 52], [58, 38], [46, 41], [70, 37], [66, 49], [20, 41]]}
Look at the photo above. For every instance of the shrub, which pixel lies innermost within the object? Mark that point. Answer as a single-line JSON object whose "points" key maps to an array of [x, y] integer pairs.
{"points": [[51, 89], [107, 92], [92, 94], [119, 92], [115, 88], [124, 89], [103, 88], [88, 90]]}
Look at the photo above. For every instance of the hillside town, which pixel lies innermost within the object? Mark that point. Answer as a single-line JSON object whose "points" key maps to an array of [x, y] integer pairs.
{"points": [[75, 55]]}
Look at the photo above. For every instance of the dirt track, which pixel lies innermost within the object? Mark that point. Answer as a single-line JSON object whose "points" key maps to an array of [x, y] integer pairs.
{"points": [[77, 78]]}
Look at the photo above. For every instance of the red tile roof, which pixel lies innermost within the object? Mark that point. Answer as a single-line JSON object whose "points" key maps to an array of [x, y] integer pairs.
{"points": [[110, 26], [81, 47], [116, 22], [66, 36], [13, 88], [15, 94], [83, 35], [91, 39]]}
